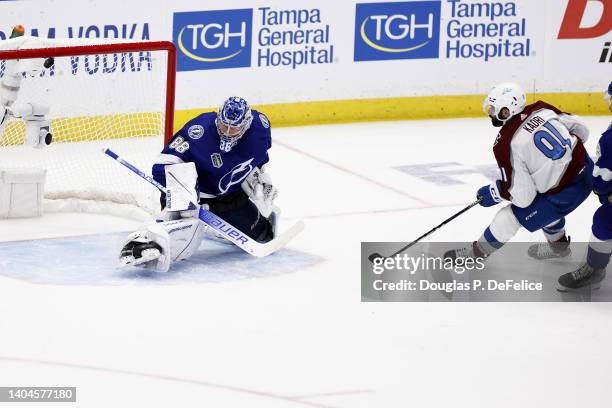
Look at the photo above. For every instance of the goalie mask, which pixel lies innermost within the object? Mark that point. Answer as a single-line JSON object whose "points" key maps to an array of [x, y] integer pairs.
{"points": [[503, 102], [233, 120]]}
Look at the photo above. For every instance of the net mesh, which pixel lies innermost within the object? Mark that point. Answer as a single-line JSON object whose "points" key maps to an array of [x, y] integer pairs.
{"points": [[111, 100]]}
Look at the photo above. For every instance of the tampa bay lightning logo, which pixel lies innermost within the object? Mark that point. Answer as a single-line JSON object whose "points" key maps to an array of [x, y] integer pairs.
{"points": [[235, 176], [264, 120], [195, 131]]}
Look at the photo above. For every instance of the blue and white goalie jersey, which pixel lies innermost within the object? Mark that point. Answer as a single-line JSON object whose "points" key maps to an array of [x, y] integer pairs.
{"points": [[219, 172]]}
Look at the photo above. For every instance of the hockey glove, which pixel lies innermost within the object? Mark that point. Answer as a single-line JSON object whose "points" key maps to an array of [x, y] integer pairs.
{"points": [[258, 187], [491, 194]]}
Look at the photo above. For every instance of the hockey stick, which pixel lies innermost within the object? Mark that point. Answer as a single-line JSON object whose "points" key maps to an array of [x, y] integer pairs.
{"points": [[376, 255], [222, 227]]}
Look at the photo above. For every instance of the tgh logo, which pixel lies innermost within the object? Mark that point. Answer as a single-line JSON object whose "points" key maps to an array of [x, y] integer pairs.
{"points": [[213, 39], [397, 30]]}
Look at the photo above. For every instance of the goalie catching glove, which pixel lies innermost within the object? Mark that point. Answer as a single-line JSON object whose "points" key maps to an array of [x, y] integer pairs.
{"points": [[258, 187]]}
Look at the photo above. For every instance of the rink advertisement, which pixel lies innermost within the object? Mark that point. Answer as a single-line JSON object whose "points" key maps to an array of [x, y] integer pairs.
{"points": [[411, 30], [275, 37], [213, 39], [403, 30], [486, 30], [426, 272], [337, 61]]}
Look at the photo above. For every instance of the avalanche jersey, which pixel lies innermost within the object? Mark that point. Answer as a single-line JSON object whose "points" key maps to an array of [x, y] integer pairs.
{"points": [[602, 172], [219, 172], [539, 151]]}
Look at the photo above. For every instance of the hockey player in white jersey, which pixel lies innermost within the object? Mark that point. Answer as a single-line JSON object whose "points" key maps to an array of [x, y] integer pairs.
{"points": [[545, 173], [593, 271]]}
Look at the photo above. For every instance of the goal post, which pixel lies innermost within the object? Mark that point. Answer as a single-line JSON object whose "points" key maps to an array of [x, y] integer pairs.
{"points": [[98, 94]]}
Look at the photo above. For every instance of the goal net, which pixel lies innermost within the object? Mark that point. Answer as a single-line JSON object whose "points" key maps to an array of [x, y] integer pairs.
{"points": [[115, 95]]}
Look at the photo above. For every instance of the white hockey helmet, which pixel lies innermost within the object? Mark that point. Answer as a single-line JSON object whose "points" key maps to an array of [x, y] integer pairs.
{"points": [[505, 95]]}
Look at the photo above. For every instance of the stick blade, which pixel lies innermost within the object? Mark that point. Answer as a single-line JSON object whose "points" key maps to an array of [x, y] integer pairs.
{"points": [[375, 256], [278, 242]]}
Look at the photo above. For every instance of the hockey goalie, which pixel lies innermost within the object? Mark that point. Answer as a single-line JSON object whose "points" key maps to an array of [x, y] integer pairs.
{"points": [[218, 161]]}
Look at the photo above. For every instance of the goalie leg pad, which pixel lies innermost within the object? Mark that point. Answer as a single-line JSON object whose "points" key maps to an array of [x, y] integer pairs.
{"points": [[173, 240]]}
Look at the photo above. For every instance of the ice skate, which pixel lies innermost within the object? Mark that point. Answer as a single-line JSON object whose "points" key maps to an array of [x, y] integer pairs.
{"points": [[582, 277], [550, 250]]}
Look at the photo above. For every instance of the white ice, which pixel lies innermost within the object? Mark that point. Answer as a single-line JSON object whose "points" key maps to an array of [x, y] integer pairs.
{"points": [[228, 330]]}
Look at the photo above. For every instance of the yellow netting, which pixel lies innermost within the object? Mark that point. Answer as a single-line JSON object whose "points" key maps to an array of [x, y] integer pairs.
{"points": [[89, 128]]}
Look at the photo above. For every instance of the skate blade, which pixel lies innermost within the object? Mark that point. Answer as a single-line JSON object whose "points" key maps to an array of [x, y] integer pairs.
{"points": [[555, 257], [586, 288]]}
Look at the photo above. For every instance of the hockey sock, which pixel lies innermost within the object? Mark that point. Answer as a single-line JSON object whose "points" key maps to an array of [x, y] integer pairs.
{"points": [[599, 253], [487, 243], [555, 232], [503, 227]]}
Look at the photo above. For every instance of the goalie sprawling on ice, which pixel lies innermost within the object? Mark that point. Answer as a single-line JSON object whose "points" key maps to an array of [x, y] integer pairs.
{"points": [[216, 160]]}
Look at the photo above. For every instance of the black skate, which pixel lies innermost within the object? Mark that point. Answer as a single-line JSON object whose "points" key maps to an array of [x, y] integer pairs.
{"points": [[582, 277], [470, 251], [136, 253], [550, 250]]}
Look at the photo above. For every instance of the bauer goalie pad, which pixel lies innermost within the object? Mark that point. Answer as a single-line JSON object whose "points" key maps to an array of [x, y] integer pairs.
{"points": [[178, 240]]}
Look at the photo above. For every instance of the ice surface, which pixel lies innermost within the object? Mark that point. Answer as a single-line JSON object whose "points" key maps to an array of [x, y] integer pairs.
{"points": [[215, 262], [291, 330]]}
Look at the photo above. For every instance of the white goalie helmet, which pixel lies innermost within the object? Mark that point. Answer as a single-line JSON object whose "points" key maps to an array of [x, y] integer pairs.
{"points": [[505, 95]]}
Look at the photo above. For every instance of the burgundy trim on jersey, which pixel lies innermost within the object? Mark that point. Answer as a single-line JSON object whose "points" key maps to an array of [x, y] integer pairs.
{"points": [[502, 150], [574, 168]]}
